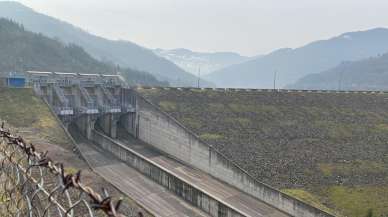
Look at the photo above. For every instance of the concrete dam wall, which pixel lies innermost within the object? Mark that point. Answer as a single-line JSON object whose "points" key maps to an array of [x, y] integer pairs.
{"points": [[163, 177], [159, 129]]}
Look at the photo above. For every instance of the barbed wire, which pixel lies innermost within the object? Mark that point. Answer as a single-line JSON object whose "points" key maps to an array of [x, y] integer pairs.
{"points": [[31, 184]]}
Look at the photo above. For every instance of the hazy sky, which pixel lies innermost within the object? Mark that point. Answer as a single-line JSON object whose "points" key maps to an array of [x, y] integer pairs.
{"points": [[249, 27]]}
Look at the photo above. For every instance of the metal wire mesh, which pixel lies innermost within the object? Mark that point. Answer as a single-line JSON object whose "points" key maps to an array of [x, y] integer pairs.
{"points": [[33, 185]]}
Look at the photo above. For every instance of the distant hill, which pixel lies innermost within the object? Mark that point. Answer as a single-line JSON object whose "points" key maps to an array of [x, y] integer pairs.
{"points": [[208, 62], [367, 74], [293, 64], [123, 53], [22, 50]]}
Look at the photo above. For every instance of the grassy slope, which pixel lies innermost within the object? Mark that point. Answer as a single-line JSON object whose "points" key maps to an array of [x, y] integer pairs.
{"points": [[21, 109], [328, 150]]}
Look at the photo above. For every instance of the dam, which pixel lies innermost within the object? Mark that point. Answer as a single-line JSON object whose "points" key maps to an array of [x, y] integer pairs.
{"points": [[117, 121]]}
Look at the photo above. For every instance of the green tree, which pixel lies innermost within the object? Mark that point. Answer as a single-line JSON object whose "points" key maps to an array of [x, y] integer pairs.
{"points": [[370, 213]]}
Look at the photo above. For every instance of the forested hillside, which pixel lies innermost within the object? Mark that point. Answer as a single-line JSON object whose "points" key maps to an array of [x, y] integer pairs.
{"points": [[22, 50], [367, 74], [123, 53]]}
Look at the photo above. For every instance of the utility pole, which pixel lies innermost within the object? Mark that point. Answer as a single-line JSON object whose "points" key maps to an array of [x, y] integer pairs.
{"points": [[340, 80], [199, 76], [274, 80]]}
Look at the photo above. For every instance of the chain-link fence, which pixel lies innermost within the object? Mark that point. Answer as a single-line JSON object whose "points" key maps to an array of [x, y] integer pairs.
{"points": [[33, 185]]}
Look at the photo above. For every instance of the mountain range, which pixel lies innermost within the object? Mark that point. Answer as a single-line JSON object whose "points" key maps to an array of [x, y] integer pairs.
{"points": [[205, 62], [313, 66], [23, 50], [123, 53], [293, 64]]}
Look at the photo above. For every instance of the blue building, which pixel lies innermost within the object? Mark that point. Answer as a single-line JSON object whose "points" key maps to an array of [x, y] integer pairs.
{"points": [[13, 79]]}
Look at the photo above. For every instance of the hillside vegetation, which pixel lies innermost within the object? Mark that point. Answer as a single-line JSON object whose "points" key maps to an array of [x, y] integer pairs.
{"points": [[327, 149], [22, 50], [367, 74], [21, 109]]}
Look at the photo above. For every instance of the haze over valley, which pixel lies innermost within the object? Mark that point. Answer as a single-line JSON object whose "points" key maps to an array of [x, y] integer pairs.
{"points": [[180, 67], [199, 62]]}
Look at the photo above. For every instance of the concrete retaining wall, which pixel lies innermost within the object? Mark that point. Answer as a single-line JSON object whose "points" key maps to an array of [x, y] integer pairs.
{"points": [[164, 177], [128, 121], [85, 124], [168, 135], [108, 124]]}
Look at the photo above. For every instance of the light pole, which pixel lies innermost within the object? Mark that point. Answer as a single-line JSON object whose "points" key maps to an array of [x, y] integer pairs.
{"points": [[340, 80], [274, 80], [199, 76]]}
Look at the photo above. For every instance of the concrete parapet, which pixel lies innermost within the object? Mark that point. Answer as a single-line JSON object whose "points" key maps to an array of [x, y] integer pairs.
{"points": [[272, 90]]}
